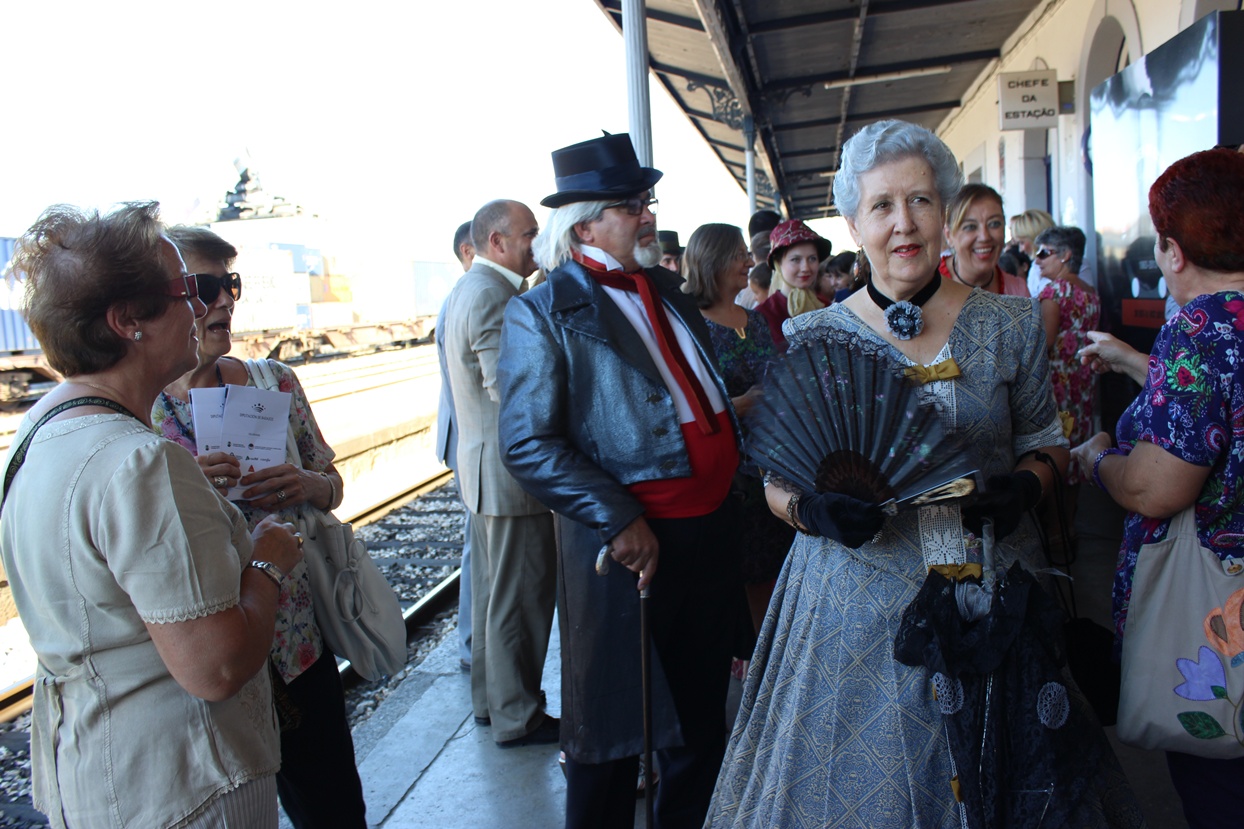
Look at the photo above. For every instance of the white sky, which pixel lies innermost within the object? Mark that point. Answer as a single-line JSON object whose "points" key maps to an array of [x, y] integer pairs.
{"points": [[392, 121]]}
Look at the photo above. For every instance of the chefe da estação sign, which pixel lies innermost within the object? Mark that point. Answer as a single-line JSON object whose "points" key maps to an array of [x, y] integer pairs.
{"points": [[1028, 100]]}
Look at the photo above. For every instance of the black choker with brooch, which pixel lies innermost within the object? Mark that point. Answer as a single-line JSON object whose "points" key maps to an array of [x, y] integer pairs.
{"points": [[904, 318]]}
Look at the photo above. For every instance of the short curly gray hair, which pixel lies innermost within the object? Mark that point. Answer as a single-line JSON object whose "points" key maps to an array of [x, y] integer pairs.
{"points": [[886, 141], [1066, 239]]}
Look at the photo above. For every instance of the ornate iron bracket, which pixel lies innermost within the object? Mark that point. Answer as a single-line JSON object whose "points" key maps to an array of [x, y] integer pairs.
{"points": [[726, 107]]}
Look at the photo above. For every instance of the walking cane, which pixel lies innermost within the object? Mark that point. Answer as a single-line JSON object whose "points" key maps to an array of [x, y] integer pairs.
{"points": [[645, 678]]}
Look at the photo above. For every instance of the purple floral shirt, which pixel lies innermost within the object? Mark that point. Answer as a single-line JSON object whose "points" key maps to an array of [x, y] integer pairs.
{"points": [[1192, 406], [297, 643]]}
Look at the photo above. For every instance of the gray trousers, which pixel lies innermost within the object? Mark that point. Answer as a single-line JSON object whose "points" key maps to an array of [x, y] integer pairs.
{"points": [[513, 585]]}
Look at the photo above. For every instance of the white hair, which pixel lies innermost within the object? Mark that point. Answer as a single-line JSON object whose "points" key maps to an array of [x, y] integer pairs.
{"points": [[557, 240], [886, 141]]}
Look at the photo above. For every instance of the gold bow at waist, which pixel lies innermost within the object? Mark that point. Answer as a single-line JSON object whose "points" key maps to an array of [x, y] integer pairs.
{"points": [[945, 370], [958, 572]]}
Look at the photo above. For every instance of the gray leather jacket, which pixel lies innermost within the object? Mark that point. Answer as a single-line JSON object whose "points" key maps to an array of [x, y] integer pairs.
{"points": [[584, 411]]}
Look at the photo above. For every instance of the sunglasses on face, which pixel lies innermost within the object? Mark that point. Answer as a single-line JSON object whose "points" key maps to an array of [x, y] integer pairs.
{"points": [[211, 285], [184, 286], [635, 206], [1043, 253]]}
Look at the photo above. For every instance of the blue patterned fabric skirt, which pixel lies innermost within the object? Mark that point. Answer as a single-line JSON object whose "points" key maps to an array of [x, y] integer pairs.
{"points": [[833, 732]]}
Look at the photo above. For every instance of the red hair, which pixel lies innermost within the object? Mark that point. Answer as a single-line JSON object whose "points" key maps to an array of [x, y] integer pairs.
{"points": [[1199, 202]]}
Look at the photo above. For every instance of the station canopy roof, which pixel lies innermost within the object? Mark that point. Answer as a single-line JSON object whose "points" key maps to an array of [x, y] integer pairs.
{"points": [[810, 73]]}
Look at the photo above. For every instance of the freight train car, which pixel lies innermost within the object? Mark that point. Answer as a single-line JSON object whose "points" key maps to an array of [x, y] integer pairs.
{"points": [[294, 307]]}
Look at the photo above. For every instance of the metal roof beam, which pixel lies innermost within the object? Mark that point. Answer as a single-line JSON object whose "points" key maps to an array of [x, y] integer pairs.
{"points": [[715, 25], [806, 153], [907, 66], [868, 116], [847, 14], [614, 7]]}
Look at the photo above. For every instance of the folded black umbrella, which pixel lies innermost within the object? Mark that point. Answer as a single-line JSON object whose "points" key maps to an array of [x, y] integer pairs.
{"points": [[1015, 734]]}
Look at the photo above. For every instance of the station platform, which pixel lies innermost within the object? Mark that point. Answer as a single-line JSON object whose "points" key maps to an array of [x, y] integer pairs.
{"points": [[426, 765]]}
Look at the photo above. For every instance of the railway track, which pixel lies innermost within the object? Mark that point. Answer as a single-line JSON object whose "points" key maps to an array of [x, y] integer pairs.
{"points": [[426, 607], [324, 379], [16, 699]]}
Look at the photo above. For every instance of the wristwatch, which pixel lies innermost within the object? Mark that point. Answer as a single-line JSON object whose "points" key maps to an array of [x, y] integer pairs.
{"points": [[270, 570]]}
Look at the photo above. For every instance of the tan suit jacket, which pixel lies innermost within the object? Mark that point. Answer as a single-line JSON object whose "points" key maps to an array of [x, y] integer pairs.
{"points": [[472, 327]]}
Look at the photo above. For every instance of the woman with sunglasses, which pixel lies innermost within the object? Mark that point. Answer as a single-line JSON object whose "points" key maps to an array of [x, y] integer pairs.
{"points": [[148, 603], [1070, 308], [318, 782]]}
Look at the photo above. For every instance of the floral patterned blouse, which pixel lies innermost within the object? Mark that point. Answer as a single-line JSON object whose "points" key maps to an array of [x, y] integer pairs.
{"points": [[743, 360], [297, 643], [1192, 406], [1078, 313]]}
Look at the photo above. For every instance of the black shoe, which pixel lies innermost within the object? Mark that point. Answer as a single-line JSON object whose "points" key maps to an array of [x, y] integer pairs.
{"points": [[548, 731], [544, 702]]}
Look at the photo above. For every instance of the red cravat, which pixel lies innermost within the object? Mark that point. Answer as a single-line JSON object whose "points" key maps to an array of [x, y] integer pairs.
{"points": [[639, 282]]}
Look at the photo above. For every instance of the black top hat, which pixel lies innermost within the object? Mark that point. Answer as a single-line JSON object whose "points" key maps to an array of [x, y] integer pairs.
{"points": [[669, 242], [599, 169]]}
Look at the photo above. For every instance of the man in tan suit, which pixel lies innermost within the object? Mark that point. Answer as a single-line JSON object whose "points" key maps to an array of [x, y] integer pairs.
{"points": [[515, 565]]}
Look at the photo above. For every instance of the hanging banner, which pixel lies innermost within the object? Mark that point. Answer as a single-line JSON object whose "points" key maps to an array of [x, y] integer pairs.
{"points": [[1028, 100]]}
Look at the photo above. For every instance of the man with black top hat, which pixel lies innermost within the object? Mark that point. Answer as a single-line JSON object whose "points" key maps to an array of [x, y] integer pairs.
{"points": [[613, 414], [671, 251]]}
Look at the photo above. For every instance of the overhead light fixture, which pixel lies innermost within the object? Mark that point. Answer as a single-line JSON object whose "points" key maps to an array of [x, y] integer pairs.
{"points": [[885, 77]]}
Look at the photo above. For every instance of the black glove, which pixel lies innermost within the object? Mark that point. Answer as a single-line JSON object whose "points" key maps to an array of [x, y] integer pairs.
{"points": [[1006, 498], [840, 517]]}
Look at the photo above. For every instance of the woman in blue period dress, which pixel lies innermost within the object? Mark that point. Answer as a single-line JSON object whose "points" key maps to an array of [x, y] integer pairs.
{"points": [[318, 782], [832, 731], [716, 266]]}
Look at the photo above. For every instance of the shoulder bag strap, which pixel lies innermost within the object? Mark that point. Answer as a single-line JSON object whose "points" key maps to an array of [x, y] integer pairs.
{"points": [[264, 375], [19, 454]]}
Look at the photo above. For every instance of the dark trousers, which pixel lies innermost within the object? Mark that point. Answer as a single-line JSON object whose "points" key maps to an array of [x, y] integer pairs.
{"points": [[1212, 791], [318, 783], [603, 795], [695, 603]]}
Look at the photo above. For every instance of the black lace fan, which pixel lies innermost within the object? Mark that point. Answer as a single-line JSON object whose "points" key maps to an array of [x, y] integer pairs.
{"points": [[834, 418]]}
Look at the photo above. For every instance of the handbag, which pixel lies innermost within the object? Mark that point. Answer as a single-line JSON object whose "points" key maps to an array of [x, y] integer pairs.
{"points": [[355, 607], [1183, 648]]}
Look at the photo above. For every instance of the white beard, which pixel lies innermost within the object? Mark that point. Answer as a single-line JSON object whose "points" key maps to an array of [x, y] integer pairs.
{"points": [[649, 255]]}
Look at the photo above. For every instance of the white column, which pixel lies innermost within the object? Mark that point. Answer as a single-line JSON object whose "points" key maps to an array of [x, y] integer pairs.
{"points": [[635, 38]]}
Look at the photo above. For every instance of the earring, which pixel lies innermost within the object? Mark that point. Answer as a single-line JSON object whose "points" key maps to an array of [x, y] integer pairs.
{"points": [[138, 335]]}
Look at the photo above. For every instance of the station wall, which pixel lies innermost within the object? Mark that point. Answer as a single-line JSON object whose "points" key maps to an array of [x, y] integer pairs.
{"points": [[1085, 41]]}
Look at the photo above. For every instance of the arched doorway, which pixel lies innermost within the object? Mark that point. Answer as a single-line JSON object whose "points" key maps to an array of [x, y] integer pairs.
{"points": [[1111, 42]]}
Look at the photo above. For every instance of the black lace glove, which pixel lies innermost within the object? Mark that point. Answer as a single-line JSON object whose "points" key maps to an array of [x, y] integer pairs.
{"points": [[1006, 498], [840, 517]]}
